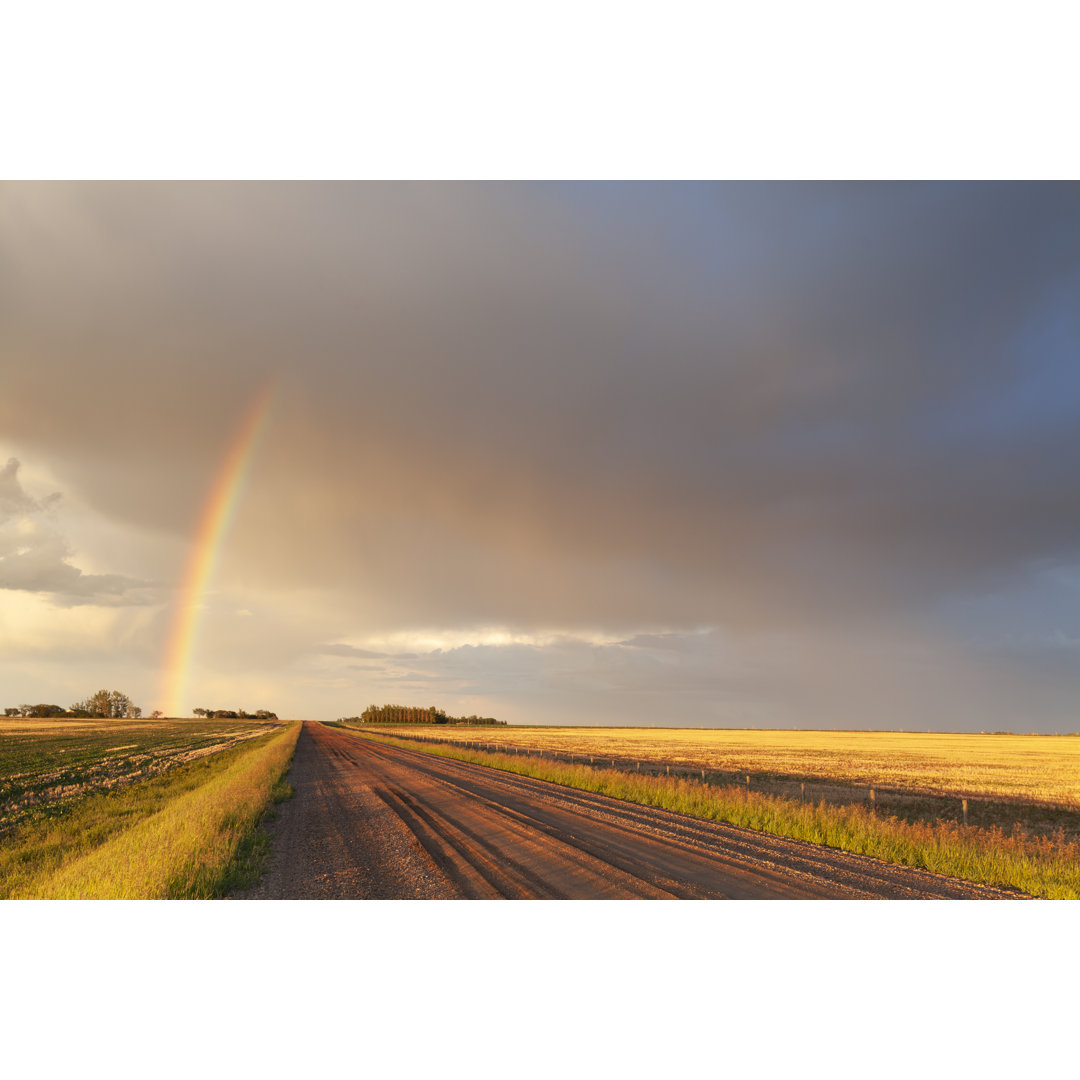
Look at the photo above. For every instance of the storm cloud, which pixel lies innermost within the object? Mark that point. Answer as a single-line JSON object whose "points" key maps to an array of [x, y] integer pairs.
{"points": [[780, 419]]}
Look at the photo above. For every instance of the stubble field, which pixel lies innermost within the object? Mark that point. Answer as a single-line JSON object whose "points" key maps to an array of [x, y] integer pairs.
{"points": [[46, 764], [162, 809]]}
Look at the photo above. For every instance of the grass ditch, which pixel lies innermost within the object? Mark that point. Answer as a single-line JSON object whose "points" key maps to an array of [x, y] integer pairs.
{"points": [[191, 834], [1047, 867]]}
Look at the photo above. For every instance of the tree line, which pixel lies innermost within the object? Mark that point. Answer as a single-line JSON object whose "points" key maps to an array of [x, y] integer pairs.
{"points": [[105, 704], [412, 714], [114, 705], [235, 714]]}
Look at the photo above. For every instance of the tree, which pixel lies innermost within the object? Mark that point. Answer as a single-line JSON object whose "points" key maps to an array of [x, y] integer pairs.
{"points": [[43, 711], [119, 704], [157, 714], [109, 705]]}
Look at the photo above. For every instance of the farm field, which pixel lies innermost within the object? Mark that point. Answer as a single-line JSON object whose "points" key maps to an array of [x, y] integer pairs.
{"points": [[190, 832], [47, 764], [1042, 769]]}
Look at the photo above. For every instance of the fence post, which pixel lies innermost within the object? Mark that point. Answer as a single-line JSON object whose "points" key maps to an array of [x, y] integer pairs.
{"points": [[802, 792], [964, 806], [747, 783], [872, 801]]}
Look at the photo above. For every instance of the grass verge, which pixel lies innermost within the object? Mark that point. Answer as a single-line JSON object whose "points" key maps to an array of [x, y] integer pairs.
{"points": [[189, 835], [1047, 867]]}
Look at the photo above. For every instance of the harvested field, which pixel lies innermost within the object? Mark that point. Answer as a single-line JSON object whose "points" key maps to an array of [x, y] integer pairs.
{"points": [[46, 764], [1033, 768], [190, 833]]}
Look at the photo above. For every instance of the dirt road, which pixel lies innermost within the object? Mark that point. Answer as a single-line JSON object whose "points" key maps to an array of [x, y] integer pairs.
{"points": [[371, 821]]}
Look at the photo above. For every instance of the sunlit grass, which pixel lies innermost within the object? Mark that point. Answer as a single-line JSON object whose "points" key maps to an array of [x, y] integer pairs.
{"points": [[189, 834], [1044, 867]]}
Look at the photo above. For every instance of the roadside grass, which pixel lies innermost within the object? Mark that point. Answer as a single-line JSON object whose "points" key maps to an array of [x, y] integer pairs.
{"points": [[252, 857], [191, 834], [1047, 867]]}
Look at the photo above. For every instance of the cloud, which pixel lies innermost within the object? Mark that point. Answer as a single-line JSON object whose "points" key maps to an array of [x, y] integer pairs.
{"points": [[346, 650], [34, 555]]}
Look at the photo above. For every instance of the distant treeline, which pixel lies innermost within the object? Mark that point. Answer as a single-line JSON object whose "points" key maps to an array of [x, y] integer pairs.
{"points": [[113, 705], [412, 714], [105, 704], [235, 714]]}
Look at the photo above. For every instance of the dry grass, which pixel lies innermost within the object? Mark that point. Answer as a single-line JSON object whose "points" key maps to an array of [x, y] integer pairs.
{"points": [[176, 837], [1033, 768], [1043, 867]]}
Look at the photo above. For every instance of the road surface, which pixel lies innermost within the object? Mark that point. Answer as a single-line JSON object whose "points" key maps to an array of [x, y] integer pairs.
{"points": [[372, 821]]}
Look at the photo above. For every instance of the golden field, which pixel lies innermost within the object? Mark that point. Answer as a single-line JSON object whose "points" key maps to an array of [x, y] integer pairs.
{"points": [[1032, 768]]}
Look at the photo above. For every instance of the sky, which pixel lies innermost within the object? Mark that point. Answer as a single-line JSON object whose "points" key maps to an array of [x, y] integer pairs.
{"points": [[684, 454]]}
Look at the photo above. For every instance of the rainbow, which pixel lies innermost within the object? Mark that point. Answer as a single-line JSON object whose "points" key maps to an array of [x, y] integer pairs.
{"points": [[214, 523]]}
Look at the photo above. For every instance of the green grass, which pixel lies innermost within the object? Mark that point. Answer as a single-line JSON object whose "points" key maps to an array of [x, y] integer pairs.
{"points": [[1045, 866], [191, 833]]}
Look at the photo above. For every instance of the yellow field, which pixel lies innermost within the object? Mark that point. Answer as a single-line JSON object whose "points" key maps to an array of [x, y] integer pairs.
{"points": [[1041, 768]]}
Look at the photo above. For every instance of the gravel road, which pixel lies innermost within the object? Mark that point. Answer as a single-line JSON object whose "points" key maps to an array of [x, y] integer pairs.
{"points": [[371, 821]]}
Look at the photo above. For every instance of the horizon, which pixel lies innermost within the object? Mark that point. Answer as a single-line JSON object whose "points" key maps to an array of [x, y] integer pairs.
{"points": [[738, 456]]}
